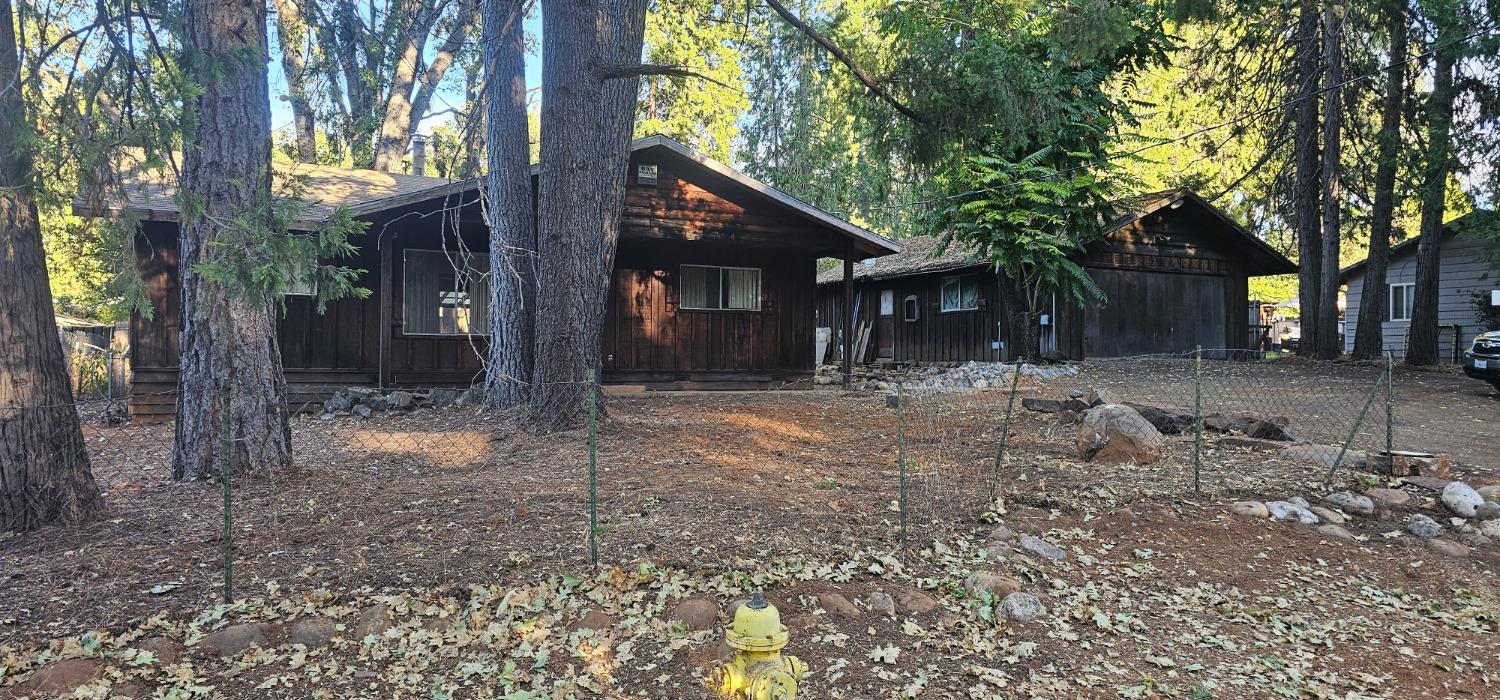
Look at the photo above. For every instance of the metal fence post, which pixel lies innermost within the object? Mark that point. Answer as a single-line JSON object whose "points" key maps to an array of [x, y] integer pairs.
{"points": [[901, 454], [1010, 405], [226, 480], [1197, 419], [1390, 416], [1354, 429], [593, 472]]}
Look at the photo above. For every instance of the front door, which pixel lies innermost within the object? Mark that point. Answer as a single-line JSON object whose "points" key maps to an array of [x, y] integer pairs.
{"points": [[885, 331]]}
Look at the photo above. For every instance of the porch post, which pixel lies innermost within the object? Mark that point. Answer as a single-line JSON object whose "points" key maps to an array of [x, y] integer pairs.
{"points": [[383, 370], [848, 319]]}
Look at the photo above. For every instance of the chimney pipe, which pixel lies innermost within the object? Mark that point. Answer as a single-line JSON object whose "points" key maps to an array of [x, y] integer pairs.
{"points": [[418, 154]]}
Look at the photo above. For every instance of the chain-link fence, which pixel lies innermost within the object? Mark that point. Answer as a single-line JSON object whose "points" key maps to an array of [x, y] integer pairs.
{"points": [[426, 486]]}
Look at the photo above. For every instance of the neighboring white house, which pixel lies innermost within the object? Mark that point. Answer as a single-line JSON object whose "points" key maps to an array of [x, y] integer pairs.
{"points": [[1462, 272]]}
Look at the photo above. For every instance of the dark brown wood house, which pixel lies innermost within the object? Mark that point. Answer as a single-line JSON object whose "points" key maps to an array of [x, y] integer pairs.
{"points": [[713, 282], [1175, 270]]}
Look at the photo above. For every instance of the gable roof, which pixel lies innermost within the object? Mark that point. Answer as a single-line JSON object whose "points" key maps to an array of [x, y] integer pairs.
{"points": [[918, 256], [153, 195], [1409, 246]]}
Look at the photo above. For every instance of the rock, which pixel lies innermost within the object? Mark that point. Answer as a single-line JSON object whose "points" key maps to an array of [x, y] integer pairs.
{"points": [[1047, 405], [1448, 547], [1100, 396], [1423, 527], [1335, 531], [1021, 607], [1390, 497], [1299, 501], [444, 397], [1331, 516], [1475, 539], [1284, 510], [375, 620], [1490, 528], [1490, 493], [881, 602], [837, 605], [313, 632], [1489, 510], [234, 639], [61, 677], [1462, 500], [1039, 546], [916, 602], [339, 402], [1326, 456], [996, 551], [1166, 419], [1428, 466], [1002, 533], [361, 411], [986, 582], [399, 400], [1351, 502], [1117, 434], [696, 614], [1250, 425], [597, 620], [164, 649], [1250, 509]]}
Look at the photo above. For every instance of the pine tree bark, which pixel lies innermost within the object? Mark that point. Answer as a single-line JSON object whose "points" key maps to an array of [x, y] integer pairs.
{"points": [[291, 32], [1369, 336], [586, 122], [44, 466], [1328, 346], [509, 207], [1306, 187], [230, 367], [1422, 338]]}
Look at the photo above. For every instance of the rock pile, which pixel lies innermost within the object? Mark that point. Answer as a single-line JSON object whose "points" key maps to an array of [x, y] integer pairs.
{"points": [[970, 376], [366, 401], [1169, 420]]}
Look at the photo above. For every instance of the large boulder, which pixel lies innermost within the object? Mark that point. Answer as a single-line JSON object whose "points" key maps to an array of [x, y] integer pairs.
{"points": [[1262, 427], [1115, 434], [1461, 499], [1169, 420]]}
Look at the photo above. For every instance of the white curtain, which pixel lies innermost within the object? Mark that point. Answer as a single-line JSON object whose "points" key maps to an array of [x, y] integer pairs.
{"points": [[743, 288]]}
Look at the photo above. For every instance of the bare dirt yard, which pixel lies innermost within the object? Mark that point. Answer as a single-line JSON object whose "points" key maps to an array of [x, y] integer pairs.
{"points": [[444, 553]]}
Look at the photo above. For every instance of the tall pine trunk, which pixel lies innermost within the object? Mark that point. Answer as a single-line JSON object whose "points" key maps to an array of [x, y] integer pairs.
{"points": [[1369, 333], [509, 207], [230, 363], [1306, 188], [291, 32], [44, 467], [1422, 339], [586, 120], [1328, 346]]}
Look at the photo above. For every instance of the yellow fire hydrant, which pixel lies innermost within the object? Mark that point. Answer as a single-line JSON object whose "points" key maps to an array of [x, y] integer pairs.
{"points": [[758, 670]]}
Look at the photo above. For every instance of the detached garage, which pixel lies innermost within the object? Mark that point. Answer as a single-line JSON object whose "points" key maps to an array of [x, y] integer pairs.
{"points": [[1175, 271]]}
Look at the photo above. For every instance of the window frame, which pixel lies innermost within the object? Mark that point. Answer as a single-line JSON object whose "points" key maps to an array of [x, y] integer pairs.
{"points": [[723, 288], [911, 309], [1408, 301], [402, 301], [960, 280]]}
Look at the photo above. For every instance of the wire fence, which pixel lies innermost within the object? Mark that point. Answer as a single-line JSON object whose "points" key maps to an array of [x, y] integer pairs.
{"points": [[426, 486]]}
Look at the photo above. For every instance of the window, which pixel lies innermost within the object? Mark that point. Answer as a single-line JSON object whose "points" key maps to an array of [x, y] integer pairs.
{"points": [[1400, 301], [706, 287], [911, 309], [960, 293], [445, 293], [301, 283]]}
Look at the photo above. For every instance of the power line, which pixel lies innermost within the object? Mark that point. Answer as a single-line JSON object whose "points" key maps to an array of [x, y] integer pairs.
{"points": [[1196, 132]]}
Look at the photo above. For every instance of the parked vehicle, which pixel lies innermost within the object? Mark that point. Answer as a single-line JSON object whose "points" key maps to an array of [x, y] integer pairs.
{"points": [[1482, 359]]}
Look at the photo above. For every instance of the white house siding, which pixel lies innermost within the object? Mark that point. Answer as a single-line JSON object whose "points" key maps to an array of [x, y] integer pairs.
{"points": [[1460, 273]]}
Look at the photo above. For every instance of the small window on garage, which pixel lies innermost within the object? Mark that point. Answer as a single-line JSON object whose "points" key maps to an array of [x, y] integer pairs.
{"points": [[1400, 301], [911, 309], [960, 293]]}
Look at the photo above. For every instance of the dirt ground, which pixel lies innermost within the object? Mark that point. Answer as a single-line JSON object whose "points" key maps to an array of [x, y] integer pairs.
{"points": [[475, 535]]}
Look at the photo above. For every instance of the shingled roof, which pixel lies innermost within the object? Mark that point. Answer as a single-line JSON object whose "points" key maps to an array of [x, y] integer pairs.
{"points": [[918, 255], [152, 195]]}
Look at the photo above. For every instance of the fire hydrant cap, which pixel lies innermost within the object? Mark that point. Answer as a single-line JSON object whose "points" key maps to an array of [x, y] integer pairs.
{"points": [[757, 628]]}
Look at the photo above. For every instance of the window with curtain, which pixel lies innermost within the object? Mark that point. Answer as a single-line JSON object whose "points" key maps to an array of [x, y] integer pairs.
{"points": [[708, 287], [960, 294], [1400, 301], [445, 293]]}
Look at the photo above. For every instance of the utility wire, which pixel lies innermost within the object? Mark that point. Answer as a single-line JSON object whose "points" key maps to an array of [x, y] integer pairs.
{"points": [[1196, 132]]}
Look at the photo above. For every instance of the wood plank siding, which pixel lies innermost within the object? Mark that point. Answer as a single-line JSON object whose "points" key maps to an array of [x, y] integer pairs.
{"points": [[1460, 273], [934, 336]]}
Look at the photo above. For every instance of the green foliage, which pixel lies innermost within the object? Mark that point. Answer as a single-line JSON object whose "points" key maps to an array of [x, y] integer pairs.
{"points": [[259, 256], [702, 36], [1027, 221]]}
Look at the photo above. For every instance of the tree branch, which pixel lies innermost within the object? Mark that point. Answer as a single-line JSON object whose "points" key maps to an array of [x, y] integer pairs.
{"points": [[845, 59], [644, 69]]}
